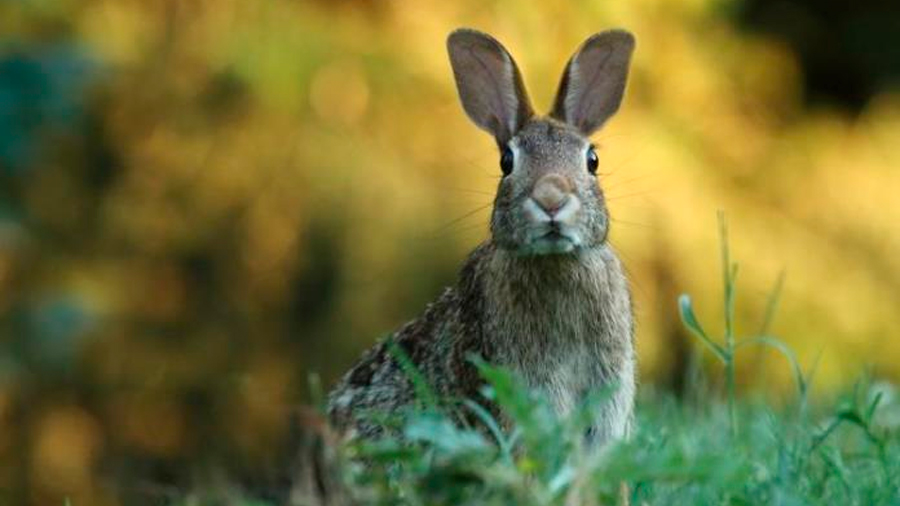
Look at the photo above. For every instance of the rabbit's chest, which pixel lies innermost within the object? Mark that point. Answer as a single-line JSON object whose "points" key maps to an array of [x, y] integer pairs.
{"points": [[561, 355], [564, 377], [565, 327]]}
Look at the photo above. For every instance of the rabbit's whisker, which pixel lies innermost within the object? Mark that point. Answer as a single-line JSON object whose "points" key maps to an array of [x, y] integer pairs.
{"points": [[448, 225], [633, 223], [623, 182], [612, 198], [467, 190]]}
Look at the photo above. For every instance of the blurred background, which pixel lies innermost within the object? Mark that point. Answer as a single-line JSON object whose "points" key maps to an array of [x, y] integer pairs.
{"points": [[204, 202]]}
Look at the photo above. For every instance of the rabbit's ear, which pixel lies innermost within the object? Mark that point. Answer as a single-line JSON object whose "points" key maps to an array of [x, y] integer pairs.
{"points": [[489, 84], [594, 81]]}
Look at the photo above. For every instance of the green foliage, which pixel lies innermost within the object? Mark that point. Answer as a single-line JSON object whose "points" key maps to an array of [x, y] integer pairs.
{"points": [[679, 454]]}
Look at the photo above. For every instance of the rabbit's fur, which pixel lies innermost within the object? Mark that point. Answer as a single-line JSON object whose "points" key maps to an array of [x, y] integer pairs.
{"points": [[546, 295]]}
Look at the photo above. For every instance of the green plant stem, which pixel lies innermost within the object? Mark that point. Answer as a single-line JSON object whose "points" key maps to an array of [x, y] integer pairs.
{"points": [[729, 272], [732, 405]]}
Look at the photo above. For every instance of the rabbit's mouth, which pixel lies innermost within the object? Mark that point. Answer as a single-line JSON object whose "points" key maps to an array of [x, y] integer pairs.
{"points": [[553, 231], [556, 240]]}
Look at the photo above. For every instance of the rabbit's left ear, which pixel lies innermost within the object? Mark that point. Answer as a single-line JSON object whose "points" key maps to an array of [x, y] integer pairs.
{"points": [[593, 82], [489, 83]]}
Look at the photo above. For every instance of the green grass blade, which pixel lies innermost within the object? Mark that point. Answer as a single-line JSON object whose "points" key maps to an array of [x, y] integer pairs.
{"points": [[424, 392], [686, 310], [772, 302], [786, 351], [492, 426], [729, 271], [870, 410]]}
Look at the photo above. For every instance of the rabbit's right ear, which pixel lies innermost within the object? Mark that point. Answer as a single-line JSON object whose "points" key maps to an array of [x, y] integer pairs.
{"points": [[593, 83], [489, 84]]}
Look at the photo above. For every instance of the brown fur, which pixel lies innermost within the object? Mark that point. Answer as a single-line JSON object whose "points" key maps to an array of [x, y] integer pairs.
{"points": [[546, 296]]}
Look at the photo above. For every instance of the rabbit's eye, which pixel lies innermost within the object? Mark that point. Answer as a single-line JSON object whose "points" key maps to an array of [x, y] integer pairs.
{"points": [[506, 161], [592, 160]]}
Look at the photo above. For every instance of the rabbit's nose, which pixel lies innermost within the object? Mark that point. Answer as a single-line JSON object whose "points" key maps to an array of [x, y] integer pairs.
{"points": [[551, 192]]}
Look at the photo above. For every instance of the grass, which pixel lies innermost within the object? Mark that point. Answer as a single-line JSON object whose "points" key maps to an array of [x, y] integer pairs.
{"points": [[680, 454], [708, 450]]}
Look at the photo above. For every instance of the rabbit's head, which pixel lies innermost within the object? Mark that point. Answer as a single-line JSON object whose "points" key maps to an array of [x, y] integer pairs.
{"points": [[548, 200]]}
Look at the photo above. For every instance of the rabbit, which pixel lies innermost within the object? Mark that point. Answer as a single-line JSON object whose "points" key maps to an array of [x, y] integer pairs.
{"points": [[545, 296]]}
